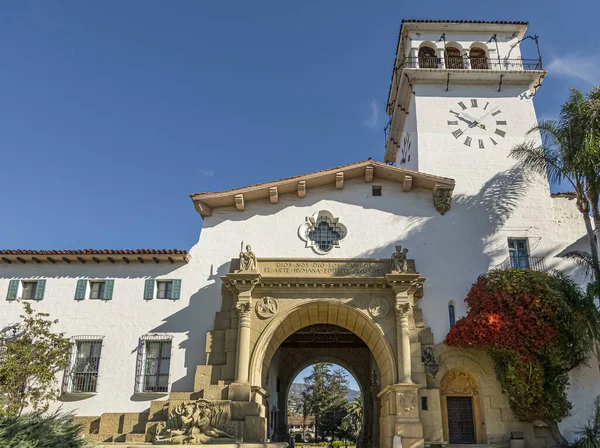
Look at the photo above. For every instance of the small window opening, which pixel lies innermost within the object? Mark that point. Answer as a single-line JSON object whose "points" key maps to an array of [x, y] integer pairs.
{"points": [[451, 315], [29, 290], [424, 404], [376, 190], [478, 59], [427, 58], [454, 59]]}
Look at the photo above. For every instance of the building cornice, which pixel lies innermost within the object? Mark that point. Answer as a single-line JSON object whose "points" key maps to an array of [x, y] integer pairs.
{"points": [[299, 185]]}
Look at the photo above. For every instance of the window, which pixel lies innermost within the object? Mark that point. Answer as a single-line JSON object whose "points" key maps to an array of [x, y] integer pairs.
{"points": [[451, 314], [454, 58], [154, 360], [322, 232], [427, 58], [424, 406], [26, 289], [518, 253], [29, 290], [165, 290], [376, 190], [82, 374], [478, 58], [97, 290]]}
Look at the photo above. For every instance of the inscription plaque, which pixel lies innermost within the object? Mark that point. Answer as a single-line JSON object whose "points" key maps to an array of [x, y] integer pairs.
{"points": [[328, 268]]}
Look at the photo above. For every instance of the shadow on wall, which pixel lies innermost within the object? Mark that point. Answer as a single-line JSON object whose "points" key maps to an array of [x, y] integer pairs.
{"points": [[192, 321], [454, 249]]}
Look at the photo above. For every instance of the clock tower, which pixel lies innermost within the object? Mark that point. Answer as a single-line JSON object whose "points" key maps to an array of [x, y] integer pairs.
{"points": [[461, 97]]}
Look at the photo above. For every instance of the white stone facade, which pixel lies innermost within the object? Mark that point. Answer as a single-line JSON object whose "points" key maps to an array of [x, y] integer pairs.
{"points": [[493, 201]]}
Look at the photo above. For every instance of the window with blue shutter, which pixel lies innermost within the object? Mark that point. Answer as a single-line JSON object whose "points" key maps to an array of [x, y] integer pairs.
{"points": [[13, 289], [176, 292], [109, 285], [451, 315], [39, 292], [80, 289], [149, 289]]}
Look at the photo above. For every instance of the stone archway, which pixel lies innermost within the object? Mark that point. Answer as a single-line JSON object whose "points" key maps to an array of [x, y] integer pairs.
{"points": [[322, 312]]}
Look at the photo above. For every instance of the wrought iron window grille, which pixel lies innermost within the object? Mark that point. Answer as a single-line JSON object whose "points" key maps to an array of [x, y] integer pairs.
{"points": [[81, 377], [153, 363]]}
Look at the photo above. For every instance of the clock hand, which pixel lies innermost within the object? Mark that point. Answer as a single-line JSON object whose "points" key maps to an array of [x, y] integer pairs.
{"points": [[488, 114], [460, 117]]}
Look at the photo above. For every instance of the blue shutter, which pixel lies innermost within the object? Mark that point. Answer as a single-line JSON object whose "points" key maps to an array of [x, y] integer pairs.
{"points": [[39, 290], [149, 289], [13, 289], [80, 289], [176, 291], [109, 285]]}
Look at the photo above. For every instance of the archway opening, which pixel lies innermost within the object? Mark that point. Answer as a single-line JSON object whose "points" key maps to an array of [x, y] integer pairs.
{"points": [[325, 403]]}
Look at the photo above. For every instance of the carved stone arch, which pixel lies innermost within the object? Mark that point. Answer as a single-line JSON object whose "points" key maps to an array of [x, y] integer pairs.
{"points": [[322, 312]]}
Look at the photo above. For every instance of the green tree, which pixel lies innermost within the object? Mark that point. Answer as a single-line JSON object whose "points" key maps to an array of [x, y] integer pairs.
{"points": [[31, 356], [325, 398], [355, 417], [569, 150]]}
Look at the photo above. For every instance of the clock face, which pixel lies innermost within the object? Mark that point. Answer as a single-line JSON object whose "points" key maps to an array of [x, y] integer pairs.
{"points": [[477, 123]]}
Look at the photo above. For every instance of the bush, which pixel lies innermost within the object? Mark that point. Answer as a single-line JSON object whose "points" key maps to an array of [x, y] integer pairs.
{"points": [[35, 430]]}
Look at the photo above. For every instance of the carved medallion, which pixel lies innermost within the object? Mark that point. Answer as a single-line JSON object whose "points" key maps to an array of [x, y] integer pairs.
{"points": [[407, 402], [379, 308], [266, 307]]}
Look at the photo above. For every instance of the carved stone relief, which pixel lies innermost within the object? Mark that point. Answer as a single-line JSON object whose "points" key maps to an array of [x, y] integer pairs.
{"points": [[407, 401], [442, 199], [458, 382], [266, 307], [379, 308], [196, 423]]}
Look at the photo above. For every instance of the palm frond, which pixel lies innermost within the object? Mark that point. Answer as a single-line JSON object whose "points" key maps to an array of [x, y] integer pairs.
{"points": [[583, 259]]}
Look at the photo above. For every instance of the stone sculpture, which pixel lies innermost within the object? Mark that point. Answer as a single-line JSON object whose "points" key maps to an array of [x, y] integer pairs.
{"points": [[196, 423], [248, 260], [399, 260]]}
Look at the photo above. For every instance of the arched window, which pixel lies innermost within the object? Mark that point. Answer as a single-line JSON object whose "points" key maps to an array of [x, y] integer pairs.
{"points": [[451, 314], [454, 58], [478, 58], [427, 58]]}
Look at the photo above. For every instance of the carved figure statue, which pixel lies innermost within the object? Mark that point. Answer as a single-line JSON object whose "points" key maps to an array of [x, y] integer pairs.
{"points": [[404, 267], [397, 259], [248, 260], [195, 423]]}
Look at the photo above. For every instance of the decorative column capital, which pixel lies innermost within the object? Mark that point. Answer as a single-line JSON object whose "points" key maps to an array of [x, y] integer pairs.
{"points": [[244, 310], [403, 309]]}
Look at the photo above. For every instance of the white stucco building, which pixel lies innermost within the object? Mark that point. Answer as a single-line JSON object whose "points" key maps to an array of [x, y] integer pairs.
{"points": [[461, 97]]}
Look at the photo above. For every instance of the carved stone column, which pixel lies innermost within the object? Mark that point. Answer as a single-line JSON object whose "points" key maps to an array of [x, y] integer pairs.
{"points": [[403, 341], [241, 284], [243, 345]]}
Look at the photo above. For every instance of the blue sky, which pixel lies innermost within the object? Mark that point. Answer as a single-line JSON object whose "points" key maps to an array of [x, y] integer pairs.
{"points": [[113, 112], [352, 384]]}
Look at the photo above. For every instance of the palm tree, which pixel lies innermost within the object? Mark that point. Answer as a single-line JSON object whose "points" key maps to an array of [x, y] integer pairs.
{"points": [[568, 150], [355, 415]]}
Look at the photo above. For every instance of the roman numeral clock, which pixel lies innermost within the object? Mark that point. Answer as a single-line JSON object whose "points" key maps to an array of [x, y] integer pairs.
{"points": [[481, 125]]}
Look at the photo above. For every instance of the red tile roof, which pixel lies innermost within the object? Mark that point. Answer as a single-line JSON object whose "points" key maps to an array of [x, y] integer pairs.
{"points": [[94, 252]]}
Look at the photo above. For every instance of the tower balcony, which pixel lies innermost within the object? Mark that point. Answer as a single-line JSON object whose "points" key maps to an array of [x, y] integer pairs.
{"points": [[466, 63]]}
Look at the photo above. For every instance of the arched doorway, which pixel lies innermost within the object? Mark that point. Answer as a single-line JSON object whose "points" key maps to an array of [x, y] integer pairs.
{"points": [[462, 414], [324, 331]]}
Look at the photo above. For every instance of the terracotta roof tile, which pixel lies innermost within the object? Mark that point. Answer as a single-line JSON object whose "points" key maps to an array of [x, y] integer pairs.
{"points": [[94, 252]]}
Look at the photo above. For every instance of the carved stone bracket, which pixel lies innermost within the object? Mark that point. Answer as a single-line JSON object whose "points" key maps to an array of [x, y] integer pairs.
{"points": [[442, 198], [241, 282]]}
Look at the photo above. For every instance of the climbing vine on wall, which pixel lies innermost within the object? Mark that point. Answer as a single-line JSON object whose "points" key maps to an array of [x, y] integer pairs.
{"points": [[536, 327]]}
